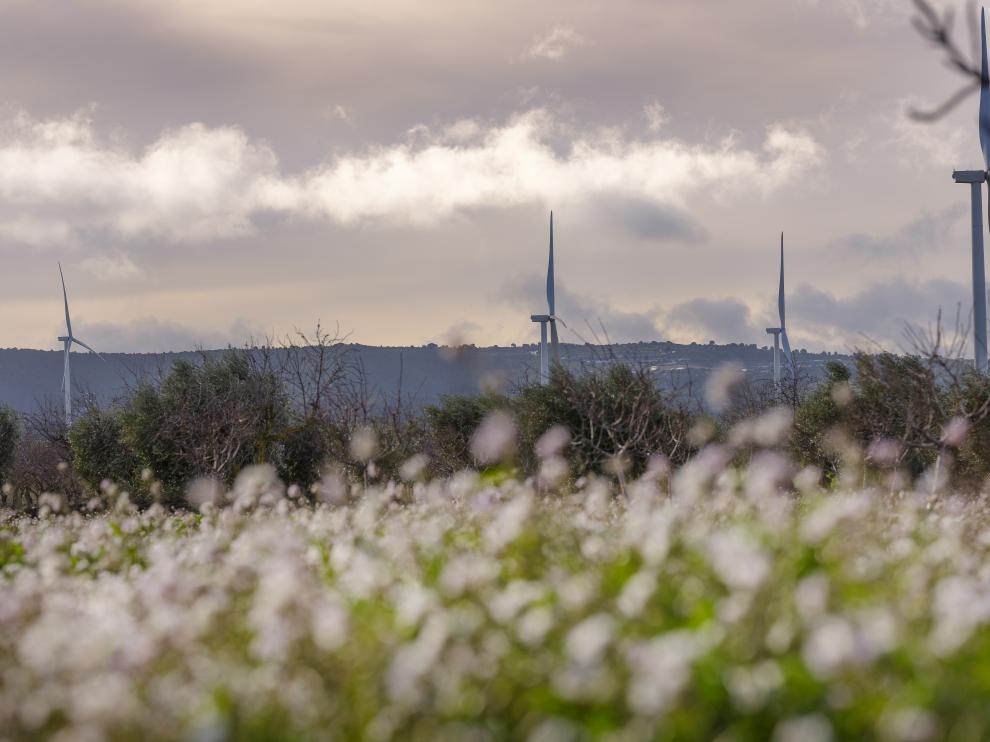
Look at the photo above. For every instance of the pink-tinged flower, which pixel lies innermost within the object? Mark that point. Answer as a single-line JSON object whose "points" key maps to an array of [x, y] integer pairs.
{"points": [[553, 442], [495, 439], [720, 385], [884, 452], [955, 432]]}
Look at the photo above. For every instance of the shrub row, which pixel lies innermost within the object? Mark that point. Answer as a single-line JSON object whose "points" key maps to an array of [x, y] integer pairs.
{"points": [[890, 413]]}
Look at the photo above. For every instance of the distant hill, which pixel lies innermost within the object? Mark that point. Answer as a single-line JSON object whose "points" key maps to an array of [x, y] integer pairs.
{"points": [[29, 377]]}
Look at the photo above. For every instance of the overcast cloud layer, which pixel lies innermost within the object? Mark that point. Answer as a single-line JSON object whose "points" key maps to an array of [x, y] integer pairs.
{"points": [[209, 173]]}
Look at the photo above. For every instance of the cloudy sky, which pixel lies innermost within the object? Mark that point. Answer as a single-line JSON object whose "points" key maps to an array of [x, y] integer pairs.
{"points": [[211, 171]]}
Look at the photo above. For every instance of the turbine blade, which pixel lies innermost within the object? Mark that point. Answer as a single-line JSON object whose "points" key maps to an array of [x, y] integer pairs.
{"points": [[984, 93], [65, 366], [550, 281], [65, 298], [780, 291], [554, 347], [787, 349], [80, 342]]}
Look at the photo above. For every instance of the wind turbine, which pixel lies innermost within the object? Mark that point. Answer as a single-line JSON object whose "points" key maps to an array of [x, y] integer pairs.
{"points": [[548, 319], [975, 179], [780, 333], [67, 340]]}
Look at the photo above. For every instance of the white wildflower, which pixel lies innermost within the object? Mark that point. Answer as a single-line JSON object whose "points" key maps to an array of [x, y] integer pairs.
{"points": [[412, 601], [534, 624], [364, 444], [586, 642], [636, 593], [205, 490], [817, 526], [414, 467], [552, 443], [832, 645], [576, 591], [414, 661], [257, 485], [495, 439], [884, 452], [811, 596], [509, 521], [553, 471], [961, 605], [584, 682], [908, 724], [955, 432], [811, 728], [555, 730], [467, 571], [660, 668], [751, 686], [721, 383], [739, 562], [505, 605], [330, 622], [331, 489], [766, 474]]}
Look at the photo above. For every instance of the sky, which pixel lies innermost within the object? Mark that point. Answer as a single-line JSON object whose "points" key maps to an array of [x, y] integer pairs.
{"points": [[208, 173]]}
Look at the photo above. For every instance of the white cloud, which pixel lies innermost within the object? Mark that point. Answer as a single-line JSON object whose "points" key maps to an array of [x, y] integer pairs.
{"points": [[463, 130], [111, 267], [194, 183], [940, 143], [60, 181], [35, 231], [556, 44], [656, 116], [337, 112], [518, 164]]}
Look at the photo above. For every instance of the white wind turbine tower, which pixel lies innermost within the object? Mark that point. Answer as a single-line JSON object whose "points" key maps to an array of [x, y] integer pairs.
{"points": [[780, 333], [551, 318], [67, 340], [975, 178]]}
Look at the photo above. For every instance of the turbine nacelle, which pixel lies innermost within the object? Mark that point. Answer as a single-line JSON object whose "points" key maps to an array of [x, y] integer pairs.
{"points": [[969, 176]]}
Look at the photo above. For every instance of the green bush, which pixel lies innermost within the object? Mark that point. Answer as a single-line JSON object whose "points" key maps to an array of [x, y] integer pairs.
{"points": [[10, 433], [230, 411], [820, 415], [305, 448], [99, 451], [617, 414], [451, 423], [898, 398], [971, 401], [207, 419]]}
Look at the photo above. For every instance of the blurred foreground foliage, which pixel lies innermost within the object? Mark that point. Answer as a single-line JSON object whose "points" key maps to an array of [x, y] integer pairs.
{"points": [[726, 600]]}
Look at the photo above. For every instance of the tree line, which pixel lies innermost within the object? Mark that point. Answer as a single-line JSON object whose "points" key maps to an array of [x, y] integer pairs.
{"points": [[307, 410]]}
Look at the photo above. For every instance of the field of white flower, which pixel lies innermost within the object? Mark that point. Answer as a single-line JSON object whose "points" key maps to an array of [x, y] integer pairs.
{"points": [[738, 604]]}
